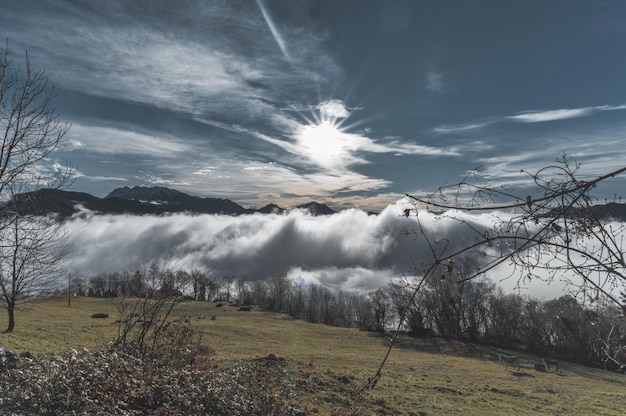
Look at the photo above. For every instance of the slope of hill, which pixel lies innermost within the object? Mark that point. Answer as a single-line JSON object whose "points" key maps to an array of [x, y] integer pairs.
{"points": [[320, 369]]}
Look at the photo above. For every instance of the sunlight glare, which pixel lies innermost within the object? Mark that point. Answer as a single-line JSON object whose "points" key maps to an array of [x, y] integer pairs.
{"points": [[322, 143]]}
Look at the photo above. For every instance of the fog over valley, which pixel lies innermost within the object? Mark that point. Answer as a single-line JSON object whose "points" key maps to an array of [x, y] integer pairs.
{"points": [[348, 251]]}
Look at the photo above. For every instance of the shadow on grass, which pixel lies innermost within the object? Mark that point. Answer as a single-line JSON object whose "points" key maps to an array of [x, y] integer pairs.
{"points": [[522, 374], [599, 374], [445, 345]]}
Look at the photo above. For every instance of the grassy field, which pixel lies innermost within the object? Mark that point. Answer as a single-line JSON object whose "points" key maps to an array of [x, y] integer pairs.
{"points": [[422, 377]]}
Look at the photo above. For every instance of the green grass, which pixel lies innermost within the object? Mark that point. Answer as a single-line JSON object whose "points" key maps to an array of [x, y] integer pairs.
{"points": [[422, 377]]}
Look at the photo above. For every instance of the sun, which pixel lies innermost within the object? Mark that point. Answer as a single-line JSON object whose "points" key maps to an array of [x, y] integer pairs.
{"points": [[323, 142], [325, 138]]}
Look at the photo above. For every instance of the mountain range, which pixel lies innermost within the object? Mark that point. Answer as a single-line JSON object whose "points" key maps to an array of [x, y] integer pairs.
{"points": [[141, 200]]}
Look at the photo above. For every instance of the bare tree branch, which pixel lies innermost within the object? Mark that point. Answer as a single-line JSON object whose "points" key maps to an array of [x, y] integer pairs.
{"points": [[558, 232], [555, 233]]}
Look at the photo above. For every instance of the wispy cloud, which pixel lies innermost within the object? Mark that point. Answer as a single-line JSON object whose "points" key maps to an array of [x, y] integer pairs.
{"points": [[401, 146], [552, 115], [515, 169], [272, 26], [78, 174], [110, 140], [562, 114], [456, 128], [184, 60], [434, 81], [529, 117]]}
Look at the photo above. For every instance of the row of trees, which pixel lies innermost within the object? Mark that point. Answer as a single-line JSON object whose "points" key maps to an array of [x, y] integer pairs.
{"points": [[302, 300], [474, 309]]}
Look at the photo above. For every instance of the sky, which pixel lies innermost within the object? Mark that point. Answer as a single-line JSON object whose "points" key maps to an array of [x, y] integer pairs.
{"points": [[352, 103]]}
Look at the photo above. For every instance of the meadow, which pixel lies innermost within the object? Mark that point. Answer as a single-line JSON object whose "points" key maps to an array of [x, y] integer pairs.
{"points": [[327, 366]]}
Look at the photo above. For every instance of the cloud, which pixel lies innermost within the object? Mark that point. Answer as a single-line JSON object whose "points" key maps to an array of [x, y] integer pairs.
{"points": [[203, 88], [78, 174], [529, 117], [551, 115], [232, 178], [201, 58], [581, 147], [111, 140], [456, 128], [272, 26], [325, 145], [346, 251], [434, 81], [562, 114], [395, 145], [333, 109]]}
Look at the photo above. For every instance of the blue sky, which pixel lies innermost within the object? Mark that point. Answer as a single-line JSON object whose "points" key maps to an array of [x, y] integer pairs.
{"points": [[352, 103]]}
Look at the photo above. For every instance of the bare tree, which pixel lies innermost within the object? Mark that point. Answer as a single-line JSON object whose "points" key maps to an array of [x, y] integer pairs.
{"points": [[30, 130], [507, 319], [31, 255], [382, 307], [552, 232], [199, 281], [228, 282], [243, 292], [279, 290]]}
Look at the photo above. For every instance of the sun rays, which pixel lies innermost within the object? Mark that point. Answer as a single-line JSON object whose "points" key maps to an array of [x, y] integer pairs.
{"points": [[324, 139], [323, 143]]}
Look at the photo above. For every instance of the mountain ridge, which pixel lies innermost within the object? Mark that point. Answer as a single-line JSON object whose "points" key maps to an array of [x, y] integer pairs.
{"points": [[140, 200]]}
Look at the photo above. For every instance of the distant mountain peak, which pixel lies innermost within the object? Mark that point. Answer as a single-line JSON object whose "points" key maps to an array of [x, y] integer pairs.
{"points": [[271, 209], [315, 208], [142, 193]]}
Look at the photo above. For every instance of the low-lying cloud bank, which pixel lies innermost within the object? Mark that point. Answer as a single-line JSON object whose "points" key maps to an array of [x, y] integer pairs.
{"points": [[346, 251]]}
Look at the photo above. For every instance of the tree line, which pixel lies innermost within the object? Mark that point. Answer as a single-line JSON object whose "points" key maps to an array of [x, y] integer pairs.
{"points": [[477, 309]]}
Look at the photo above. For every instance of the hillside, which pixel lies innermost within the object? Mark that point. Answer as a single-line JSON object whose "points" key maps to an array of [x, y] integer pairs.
{"points": [[323, 367]]}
